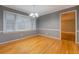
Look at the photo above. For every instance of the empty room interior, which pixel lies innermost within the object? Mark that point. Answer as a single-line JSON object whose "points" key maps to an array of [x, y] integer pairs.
{"points": [[39, 29]]}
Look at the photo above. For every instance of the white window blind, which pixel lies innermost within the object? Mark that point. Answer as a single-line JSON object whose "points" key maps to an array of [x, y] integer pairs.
{"points": [[17, 22], [23, 23], [34, 24], [9, 21], [28, 23]]}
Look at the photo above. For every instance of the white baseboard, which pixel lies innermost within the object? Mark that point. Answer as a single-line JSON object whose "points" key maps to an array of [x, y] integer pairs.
{"points": [[77, 43], [49, 36], [18, 39]]}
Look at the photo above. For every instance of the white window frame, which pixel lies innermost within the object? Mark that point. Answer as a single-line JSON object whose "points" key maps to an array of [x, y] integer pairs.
{"points": [[15, 30], [4, 21], [23, 29], [34, 24]]}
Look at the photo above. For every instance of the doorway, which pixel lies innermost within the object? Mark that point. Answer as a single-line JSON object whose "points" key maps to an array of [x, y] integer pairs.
{"points": [[68, 29]]}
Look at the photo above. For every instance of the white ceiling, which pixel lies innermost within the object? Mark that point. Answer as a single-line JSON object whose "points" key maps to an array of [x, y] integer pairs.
{"points": [[40, 9]]}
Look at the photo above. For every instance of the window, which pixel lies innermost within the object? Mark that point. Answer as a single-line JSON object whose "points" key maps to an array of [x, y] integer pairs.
{"points": [[28, 23], [34, 24], [9, 22], [17, 22], [23, 23]]}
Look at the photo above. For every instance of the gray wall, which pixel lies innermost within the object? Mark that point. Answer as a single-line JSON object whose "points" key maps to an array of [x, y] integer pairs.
{"points": [[4, 37], [51, 21], [13, 36]]}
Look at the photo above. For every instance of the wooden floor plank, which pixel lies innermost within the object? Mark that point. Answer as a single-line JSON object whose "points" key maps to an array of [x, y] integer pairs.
{"points": [[40, 45]]}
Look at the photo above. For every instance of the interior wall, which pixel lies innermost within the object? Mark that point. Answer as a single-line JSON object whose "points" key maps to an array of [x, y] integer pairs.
{"points": [[52, 22], [4, 37], [49, 24], [13, 36]]}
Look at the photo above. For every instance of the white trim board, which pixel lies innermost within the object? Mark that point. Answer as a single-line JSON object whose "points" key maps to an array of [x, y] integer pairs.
{"points": [[52, 37], [49, 29], [77, 43], [18, 39]]}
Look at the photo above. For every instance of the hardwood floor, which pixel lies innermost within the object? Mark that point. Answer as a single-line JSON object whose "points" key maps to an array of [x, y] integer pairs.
{"points": [[40, 45]]}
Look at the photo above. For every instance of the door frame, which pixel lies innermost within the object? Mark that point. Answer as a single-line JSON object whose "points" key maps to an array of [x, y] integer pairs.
{"points": [[75, 23]]}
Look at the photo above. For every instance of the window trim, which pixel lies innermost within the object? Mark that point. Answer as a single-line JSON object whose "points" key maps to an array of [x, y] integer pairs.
{"points": [[24, 29], [4, 21], [19, 30]]}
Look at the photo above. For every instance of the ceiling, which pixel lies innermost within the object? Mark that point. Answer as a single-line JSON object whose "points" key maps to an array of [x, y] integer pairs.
{"points": [[40, 9]]}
